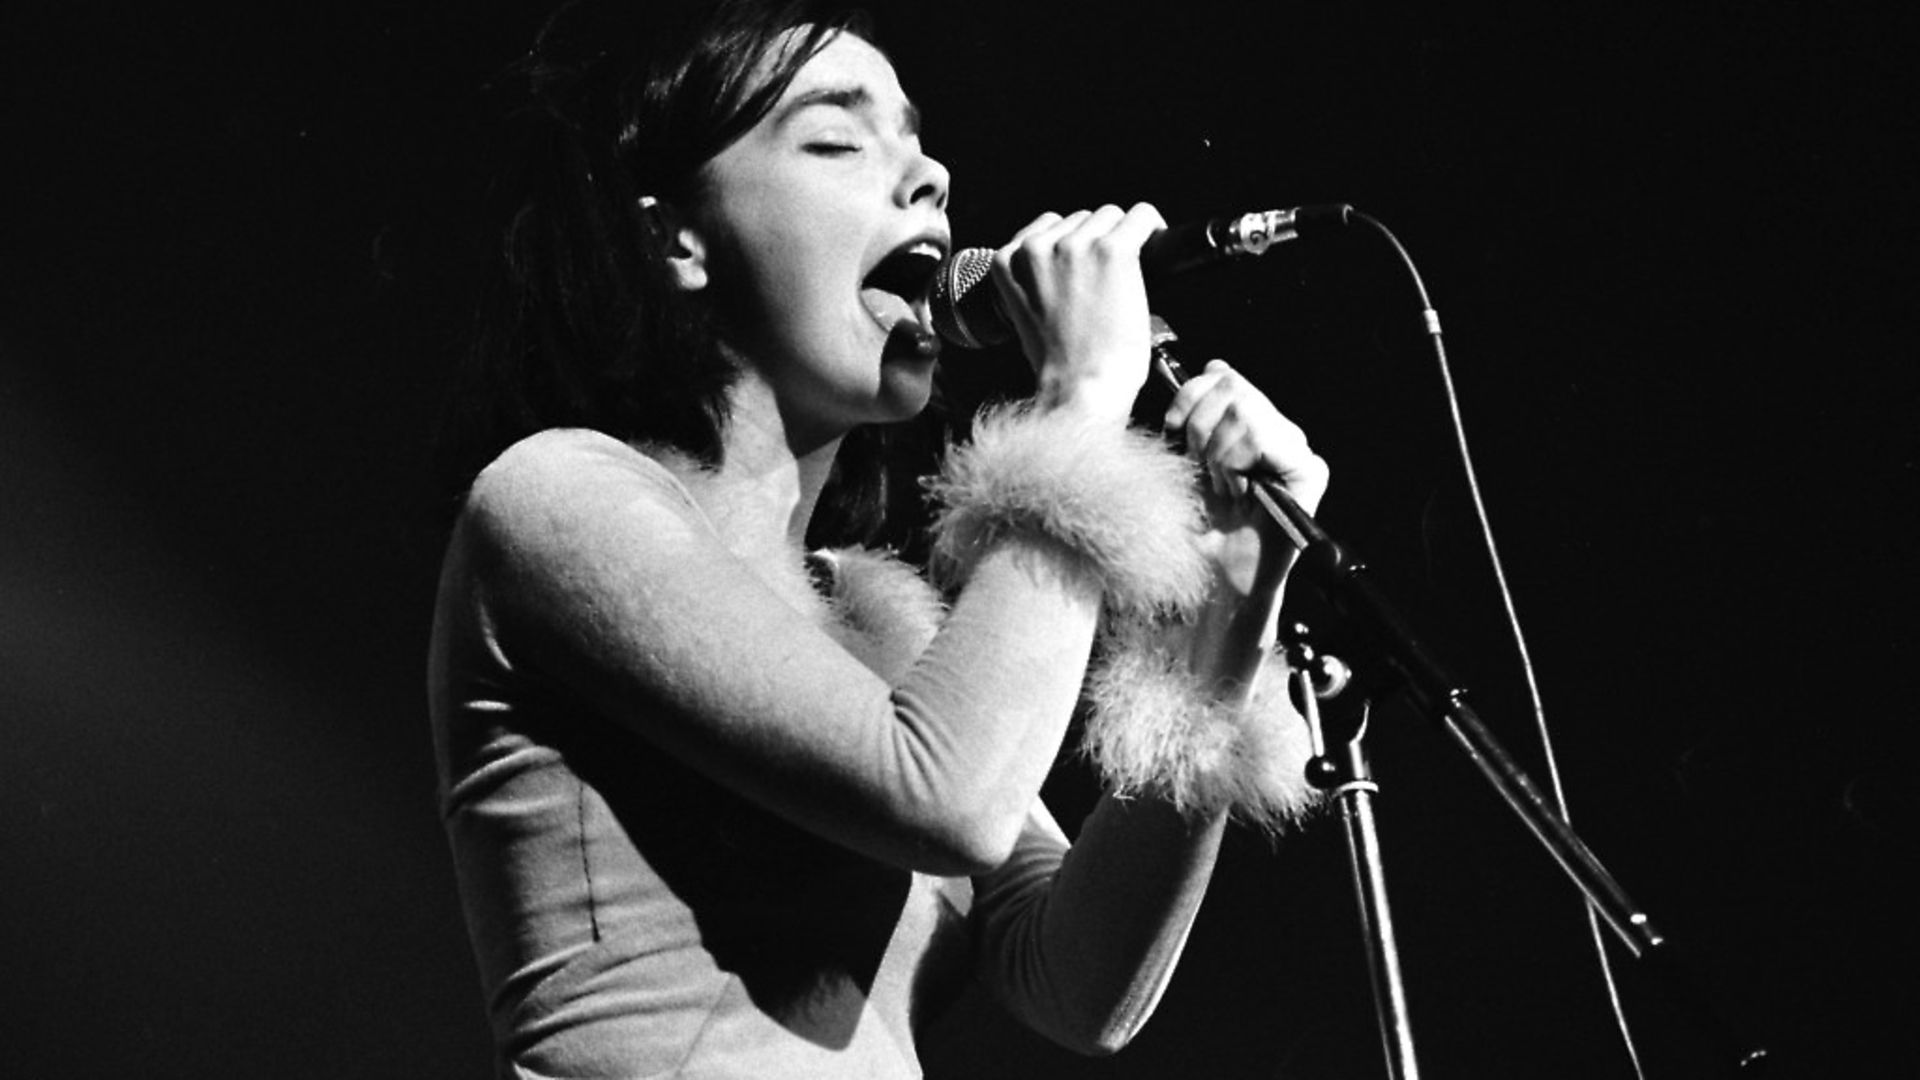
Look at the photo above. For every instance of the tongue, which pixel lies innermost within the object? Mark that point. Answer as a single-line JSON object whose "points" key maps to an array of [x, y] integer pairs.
{"points": [[905, 334], [887, 308]]}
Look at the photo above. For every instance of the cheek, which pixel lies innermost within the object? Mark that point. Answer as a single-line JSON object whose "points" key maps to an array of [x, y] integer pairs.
{"points": [[752, 280], [777, 308], [768, 247], [785, 257], [799, 284]]}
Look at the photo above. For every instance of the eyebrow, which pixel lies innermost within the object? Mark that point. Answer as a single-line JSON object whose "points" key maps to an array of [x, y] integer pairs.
{"points": [[851, 98]]}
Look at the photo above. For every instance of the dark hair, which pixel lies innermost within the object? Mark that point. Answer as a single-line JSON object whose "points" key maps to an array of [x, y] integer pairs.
{"points": [[581, 326]]}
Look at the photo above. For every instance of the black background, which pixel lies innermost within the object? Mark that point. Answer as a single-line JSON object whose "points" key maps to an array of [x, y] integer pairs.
{"points": [[1669, 245]]}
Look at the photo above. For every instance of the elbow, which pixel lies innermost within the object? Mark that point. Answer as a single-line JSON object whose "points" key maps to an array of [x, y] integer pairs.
{"points": [[1101, 1037], [959, 817], [1102, 1025], [961, 843], [1110, 1041], [1099, 1046], [1114, 1031]]}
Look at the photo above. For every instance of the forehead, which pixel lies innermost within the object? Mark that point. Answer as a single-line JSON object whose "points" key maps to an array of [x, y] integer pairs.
{"points": [[847, 61]]}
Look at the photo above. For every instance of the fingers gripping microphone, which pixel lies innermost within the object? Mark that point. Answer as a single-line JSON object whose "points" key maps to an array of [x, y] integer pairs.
{"points": [[967, 311]]}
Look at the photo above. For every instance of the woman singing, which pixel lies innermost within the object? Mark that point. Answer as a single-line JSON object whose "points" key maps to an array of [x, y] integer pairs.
{"points": [[721, 806]]}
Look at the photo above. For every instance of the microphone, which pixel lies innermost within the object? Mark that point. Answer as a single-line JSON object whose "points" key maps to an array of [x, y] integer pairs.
{"points": [[967, 311]]}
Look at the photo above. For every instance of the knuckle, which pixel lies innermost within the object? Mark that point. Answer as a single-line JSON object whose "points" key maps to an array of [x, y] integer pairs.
{"points": [[1032, 249], [1038, 225]]}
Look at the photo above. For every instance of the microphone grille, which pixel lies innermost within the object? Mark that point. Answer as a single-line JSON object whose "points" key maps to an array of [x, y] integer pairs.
{"points": [[969, 322]]}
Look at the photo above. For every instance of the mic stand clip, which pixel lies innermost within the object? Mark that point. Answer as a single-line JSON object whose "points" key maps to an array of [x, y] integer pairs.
{"points": [[1340, 766], [1393, 649]]}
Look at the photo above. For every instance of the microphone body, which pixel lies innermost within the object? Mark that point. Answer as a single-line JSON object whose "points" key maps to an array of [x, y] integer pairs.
{"points": [[966, 307]]}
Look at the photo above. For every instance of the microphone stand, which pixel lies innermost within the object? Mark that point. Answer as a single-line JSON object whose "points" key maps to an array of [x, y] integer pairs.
{"points": [[1343, 769], [1344, 583], [1391, 648]]}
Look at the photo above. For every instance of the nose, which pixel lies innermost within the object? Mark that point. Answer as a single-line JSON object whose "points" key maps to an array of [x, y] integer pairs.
{"points": [[925, 181]]}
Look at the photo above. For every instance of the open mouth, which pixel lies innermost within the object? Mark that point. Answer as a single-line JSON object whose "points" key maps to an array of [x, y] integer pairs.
{"points": [[895, 295]]}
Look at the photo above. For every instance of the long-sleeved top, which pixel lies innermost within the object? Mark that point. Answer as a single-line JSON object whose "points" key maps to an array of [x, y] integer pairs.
{"points": [[640, 908]]}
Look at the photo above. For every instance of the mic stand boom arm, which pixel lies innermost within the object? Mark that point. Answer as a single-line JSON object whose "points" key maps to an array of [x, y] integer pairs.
{"points": [[1387, 642]]}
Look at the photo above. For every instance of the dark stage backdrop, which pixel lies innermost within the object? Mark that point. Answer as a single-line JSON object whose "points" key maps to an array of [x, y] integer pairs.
{"points": [[1670, 244]]}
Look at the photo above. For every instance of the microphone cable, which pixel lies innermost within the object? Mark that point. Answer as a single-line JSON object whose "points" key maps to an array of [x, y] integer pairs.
{"points": [[1431, 318]]}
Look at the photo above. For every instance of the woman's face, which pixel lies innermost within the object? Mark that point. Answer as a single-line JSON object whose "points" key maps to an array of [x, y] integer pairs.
{"points": [[822, 227]]}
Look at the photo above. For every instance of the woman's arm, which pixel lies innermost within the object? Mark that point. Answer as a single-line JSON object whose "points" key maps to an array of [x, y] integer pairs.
{"points": [[1080, 942], [595, 581], [1235, 431], [1084, 942], [629, 602]]}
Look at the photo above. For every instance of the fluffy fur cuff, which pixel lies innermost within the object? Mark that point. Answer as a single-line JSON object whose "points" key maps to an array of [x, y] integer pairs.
{"points": [[1154, 730], [1117, 497], [887, 614]]}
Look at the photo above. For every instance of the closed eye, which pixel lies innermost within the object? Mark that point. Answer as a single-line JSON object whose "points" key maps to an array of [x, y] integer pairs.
{"points": [[831, 149]]}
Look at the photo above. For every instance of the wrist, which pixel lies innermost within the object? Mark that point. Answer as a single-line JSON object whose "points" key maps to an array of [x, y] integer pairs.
{"points": [[1156, 728], [1232, 636], [1113, 495], [1089, 397]]}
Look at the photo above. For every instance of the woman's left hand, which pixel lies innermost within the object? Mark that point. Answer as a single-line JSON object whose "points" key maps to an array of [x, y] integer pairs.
{"points": [[1235, 431]]}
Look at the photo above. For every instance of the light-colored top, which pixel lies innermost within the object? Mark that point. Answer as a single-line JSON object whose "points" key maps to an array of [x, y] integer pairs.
{"points": [[635, 911]]}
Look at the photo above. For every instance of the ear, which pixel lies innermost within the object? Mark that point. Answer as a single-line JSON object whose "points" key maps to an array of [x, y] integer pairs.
{"points": [[682, 247]]}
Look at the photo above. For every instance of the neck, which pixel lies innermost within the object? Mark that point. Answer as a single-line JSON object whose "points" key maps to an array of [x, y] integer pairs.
{"points": [[769, 481]]}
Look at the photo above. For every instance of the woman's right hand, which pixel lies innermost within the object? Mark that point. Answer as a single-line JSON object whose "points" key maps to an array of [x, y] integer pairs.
{"points": [[1073, 288]]}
